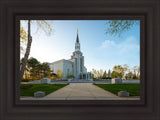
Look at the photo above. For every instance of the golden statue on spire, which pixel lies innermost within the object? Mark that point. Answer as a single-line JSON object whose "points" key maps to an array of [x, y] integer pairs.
{"points": [[77, 30]]}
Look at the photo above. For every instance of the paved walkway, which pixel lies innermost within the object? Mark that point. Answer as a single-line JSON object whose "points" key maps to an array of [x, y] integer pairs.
{"points": [[81, 91]]}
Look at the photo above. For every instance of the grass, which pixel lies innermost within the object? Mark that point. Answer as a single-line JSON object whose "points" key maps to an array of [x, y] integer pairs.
{"points": [[47, 88], [133, 89]]}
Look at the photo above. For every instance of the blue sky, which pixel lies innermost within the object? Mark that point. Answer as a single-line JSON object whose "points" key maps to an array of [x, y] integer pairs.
{"points": [[100, 50]]}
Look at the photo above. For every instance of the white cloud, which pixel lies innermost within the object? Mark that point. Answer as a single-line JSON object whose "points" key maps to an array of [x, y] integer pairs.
{"points": [[117, 52]]}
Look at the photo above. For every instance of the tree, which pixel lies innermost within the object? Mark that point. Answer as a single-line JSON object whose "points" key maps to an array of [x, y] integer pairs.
{"points": [[23, 39], [32, 62], [34, 67], [104, 75], [41, 24], [113, 74], [38, 71], [45, 69], [92, 76], [59, 74], [26, 71], [138, 72], [119, 71], [97, 73], [125, 67], [109, 73], [100, 73], [129, 75], [135, 71], [94, 73], [116, 27], [24, 62]]}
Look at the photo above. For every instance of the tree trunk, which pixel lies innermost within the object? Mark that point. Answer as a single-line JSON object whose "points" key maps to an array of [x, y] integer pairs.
{"points": [[24, 62]]}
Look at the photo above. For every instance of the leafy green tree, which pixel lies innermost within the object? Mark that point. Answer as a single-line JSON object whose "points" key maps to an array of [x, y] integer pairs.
{"points": [[129, 75], [119, 71], [116, 27], [113, 74], [23, 39]]}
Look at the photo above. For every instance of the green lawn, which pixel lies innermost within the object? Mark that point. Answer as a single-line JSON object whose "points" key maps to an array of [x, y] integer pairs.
{"points": [[29, 89], [133, 89]]}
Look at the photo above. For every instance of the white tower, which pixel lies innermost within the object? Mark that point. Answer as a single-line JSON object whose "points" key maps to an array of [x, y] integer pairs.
{"points": [[77, 44], [79, 59]]}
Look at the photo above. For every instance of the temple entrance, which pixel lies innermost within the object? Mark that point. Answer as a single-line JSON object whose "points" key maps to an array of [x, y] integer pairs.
{"points": [[86, 76]]}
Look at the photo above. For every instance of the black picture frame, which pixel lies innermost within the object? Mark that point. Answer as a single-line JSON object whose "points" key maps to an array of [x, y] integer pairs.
{"points": [[147, 108]]}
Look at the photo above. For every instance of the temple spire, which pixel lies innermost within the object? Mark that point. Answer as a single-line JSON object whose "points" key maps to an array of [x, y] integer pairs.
{"points": [[77, 40], [77, 44]]}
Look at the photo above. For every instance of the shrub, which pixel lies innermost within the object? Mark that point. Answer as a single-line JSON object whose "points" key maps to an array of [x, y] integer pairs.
{"points": [[107, 78], [70, 76]]}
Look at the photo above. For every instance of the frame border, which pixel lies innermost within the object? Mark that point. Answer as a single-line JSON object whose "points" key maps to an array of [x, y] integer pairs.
{"points": [[79, 102], [11, 111]]}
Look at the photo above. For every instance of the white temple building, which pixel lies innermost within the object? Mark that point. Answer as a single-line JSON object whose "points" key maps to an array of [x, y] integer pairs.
{"points": [[73, 66]]}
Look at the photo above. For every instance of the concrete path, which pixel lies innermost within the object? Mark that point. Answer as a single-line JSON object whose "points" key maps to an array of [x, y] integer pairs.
{"points": [[81, 91]]}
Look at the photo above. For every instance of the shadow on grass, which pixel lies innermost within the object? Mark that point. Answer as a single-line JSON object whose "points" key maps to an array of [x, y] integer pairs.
{"points": [[30, 89], [133, 89]]}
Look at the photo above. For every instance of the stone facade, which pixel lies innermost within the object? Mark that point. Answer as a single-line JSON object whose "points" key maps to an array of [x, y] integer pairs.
{"points": [[74, 66]]}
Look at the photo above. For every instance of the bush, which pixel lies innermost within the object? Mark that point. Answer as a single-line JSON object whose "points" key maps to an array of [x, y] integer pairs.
{"points": [[70, 76], [107, 78]]}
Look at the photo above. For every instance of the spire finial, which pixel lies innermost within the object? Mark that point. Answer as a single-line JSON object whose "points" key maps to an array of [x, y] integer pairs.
{"points": [[77, 30]]}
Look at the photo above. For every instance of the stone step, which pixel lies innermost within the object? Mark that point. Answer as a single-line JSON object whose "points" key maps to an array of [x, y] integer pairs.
{"points": [[81, 80]]}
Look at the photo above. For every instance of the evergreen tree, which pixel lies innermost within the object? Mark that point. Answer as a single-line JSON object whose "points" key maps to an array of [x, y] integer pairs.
{"points": [[104, 75], [109, 73]]}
